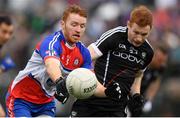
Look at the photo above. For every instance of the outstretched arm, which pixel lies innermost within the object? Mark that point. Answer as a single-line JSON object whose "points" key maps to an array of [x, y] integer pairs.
{"points": [[135, 88], [100, 90], [52, 68], [94, 55], [136, 100], [113, 90]]}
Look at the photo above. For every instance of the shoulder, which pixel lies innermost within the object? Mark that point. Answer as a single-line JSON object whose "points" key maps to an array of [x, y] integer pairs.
{"points": [[112, 36], [149, 46], [115, 31], [148, 49], [81, 46], [50, 41], [83, 50], [53, 37]]}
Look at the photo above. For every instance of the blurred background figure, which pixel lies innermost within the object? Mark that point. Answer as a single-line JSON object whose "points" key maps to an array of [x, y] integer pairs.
{"points": [[6, 62], [167, 101], [152, 77], [33, 20], [6, 31]]}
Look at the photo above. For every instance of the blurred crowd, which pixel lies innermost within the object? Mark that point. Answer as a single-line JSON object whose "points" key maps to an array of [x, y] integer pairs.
{"points": [[35, 18]]}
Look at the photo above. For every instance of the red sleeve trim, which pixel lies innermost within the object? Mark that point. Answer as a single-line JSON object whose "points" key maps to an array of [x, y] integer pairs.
{"points": [[47, 57]]}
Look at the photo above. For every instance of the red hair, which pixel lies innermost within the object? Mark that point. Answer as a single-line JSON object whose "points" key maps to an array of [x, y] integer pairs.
{"points": [[142, 16], [74, 9]]}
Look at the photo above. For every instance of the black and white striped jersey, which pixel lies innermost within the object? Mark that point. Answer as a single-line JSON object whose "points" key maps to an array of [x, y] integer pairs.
{"points": [[119, 60]]}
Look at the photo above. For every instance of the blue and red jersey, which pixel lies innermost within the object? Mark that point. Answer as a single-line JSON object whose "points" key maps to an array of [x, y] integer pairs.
{"points": [[31, 83]]}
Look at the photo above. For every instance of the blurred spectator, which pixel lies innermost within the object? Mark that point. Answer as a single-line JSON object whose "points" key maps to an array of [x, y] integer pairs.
{"points": [[167, 102], [6, 62], [151, 81]]}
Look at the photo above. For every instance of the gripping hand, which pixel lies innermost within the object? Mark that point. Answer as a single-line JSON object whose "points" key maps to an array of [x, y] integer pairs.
{"points": [[61, 93], [113, 91], [135, 104]]}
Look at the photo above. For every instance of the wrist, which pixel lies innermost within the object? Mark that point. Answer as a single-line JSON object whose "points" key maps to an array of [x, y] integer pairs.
{"points": [[58, 80], [100, 90], [136, 94]]}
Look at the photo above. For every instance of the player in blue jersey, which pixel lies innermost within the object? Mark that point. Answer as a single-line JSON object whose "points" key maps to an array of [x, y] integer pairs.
{"points": [[6, 63], [32, 92]]}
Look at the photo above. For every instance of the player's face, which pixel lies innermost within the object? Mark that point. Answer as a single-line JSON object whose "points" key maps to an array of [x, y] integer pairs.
{"points": [[74, 27], [137, 34], [6, 32], [159, 59]]}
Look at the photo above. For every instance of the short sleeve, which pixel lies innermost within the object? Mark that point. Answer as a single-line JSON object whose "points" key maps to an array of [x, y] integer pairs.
{"points": [[87, 59], [109, 40], [50, 47]]}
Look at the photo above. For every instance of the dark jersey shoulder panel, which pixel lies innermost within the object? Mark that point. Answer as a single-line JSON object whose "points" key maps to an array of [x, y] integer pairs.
{"points": [[120, 61], [149, 51], [109, 40]]}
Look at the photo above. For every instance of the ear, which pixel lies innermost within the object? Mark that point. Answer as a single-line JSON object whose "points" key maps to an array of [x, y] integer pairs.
{"points": [[128, 24], [62, 23]]}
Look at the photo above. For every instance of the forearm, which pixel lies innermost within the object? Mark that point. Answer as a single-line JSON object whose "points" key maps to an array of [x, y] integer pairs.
{"points": [[112, 91], [100, 90], [52, 68], [136, 86]]}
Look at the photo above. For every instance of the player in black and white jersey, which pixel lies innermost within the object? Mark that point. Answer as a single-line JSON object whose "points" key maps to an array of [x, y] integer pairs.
{"points": [[121, 54]]}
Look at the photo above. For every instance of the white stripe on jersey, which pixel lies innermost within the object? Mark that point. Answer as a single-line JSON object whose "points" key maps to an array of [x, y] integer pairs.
{"points": [[148, 43], [151, 47], [51, 44], [117, 28], [109, 33], [106, 69]]}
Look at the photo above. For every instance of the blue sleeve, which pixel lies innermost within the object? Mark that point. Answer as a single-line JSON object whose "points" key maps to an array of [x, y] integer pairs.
{"points": [[87, 59], [50, 47], [7, 63]]}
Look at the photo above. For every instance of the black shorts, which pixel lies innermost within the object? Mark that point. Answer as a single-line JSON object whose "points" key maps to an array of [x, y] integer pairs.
{"points": [[85, 111]]}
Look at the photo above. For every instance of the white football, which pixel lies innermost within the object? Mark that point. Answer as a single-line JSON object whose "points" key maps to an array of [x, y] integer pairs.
{"points": [[81, 83]]}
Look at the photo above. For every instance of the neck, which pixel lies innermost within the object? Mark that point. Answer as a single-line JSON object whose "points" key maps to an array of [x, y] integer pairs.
{"points": [[70, 45]]}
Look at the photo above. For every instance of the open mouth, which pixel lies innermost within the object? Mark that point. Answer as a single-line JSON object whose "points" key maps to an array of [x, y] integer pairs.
{"points": [[76, 36]]}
